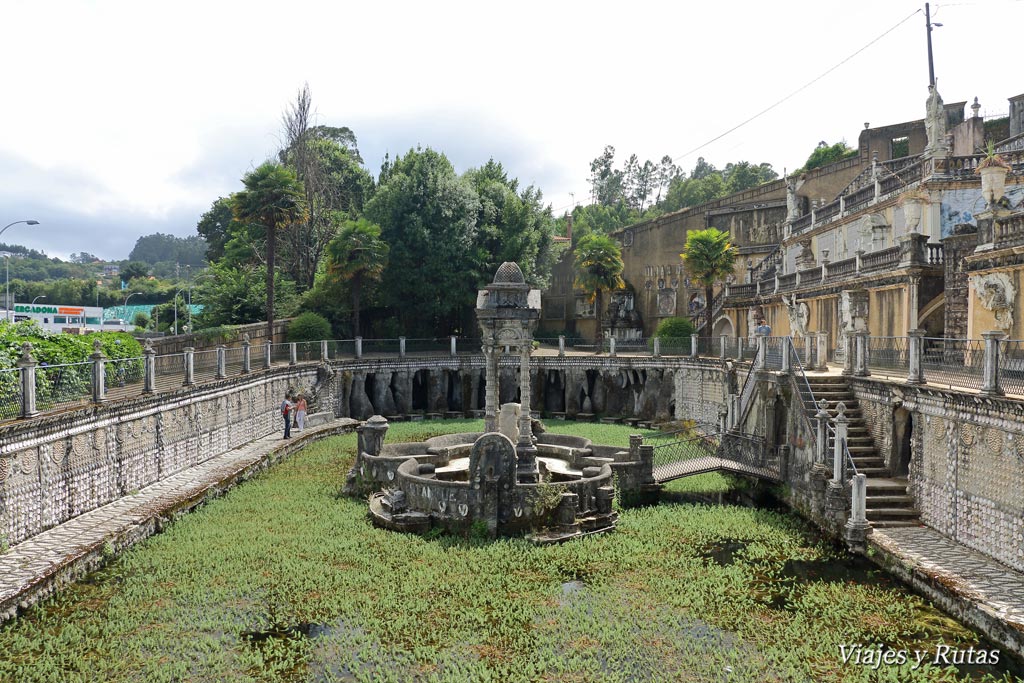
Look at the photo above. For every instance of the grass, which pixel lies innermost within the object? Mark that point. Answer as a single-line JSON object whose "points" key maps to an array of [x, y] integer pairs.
{"points": [[282, 580]]}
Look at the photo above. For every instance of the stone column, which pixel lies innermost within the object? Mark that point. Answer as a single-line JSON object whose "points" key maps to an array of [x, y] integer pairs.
{"points": [[849, 353], [821, 441], [246, 355], [787, 350], [841, 424], [148, 368], [861, 366], [730, 411], [647, 458], [526, 452], [561, 345], [760, 359], [857, 527], [723, 420], [915, 348], [809, 350], [401, 347], [694, 339], [359, 347], [739, 348], [99, 375], [635, 441], [454, 353], [325, 352], [822, 351], [990, 385], [657, 347], [268, 355], [913, 295], [222, 365], [721, 350], [27, 365], [490, 387], [293, 353], [189, 367], [611, 345]]}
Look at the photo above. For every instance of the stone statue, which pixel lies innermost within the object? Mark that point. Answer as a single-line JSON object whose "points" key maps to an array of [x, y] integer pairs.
{"points": [[799, 314], [935, 121], [792, 201], [508, 421], [996, 293]]}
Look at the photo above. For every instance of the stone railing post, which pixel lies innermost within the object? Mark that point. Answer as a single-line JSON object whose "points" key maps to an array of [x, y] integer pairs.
{"points": [[857, 527], [222, 365], [841, 424], [246, 354], [635, 441], [453, 347], [730, 411], [148, 368], [293, 353], [822, 351], [849, 353], [647, 462], [27, 365], [821, 454], [325, 352], [787, 363], [99, 374], [809, 350], [359, 347], [915, 348], [401, 347], [857, 259], [611, 345], [268, 355], [739, 348], [723, 420], [721, 349], [861, 365], [189, 367], [561, 345], [657, 347], [990, 385], [694, 340], [760, 359]]}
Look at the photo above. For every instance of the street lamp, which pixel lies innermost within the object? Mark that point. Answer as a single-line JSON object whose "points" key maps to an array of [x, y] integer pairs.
{"points": [[188, 272], [7, 268], [125, 307], [41, 296], [176, 312]]}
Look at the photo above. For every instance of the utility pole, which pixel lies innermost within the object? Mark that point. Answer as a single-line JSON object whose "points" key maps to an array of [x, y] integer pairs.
{"points": [[929, 25]]}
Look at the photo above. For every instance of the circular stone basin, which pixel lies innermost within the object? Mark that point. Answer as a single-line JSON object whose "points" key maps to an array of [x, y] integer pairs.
{"points": [[555, 466]]}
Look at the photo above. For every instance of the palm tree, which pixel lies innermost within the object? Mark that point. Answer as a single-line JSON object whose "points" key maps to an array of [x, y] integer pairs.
{"points": [[357, 254], [598, 267], [710, 258], [272, 198]]}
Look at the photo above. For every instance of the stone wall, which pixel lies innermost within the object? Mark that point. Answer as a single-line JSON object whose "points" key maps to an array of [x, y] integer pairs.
{"points": [[956, 280], [646, 388], [966, 464], [57, 467]]}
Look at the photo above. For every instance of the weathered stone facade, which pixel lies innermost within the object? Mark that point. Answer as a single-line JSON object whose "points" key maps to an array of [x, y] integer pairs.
{"points": [[56, 467]]}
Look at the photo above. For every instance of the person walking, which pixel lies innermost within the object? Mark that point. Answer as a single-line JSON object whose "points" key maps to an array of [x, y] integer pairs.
{"points": [[300, 413], [286, 410]]}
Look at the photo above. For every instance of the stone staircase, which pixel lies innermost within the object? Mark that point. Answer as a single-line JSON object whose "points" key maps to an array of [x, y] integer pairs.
{"points": [[888, 502]]}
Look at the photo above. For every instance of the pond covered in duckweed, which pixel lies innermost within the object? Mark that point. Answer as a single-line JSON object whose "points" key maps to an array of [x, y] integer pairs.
{"points": [[282, 580]]}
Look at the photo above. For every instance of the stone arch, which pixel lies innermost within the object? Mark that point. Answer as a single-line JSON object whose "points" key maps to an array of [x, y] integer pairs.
{"points": [[723, 326], [931, 319], [902, 441]]}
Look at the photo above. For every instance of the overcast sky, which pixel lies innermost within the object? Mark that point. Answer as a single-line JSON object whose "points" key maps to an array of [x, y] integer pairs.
{"points": [[121, 119]]}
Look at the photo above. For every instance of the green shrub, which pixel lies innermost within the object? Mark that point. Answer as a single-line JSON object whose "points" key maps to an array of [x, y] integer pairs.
{"points": [[674, 334], [309, 327]]}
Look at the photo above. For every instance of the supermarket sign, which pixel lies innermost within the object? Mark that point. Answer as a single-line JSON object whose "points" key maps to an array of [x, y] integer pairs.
{"points": [[51, 310]]}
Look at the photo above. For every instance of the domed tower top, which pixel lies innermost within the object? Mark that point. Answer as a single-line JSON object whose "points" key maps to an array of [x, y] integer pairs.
{"points": [[509, 273]]}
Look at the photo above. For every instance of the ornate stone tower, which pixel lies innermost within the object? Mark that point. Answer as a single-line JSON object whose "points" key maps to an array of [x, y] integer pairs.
{"points": [[508, 310]]}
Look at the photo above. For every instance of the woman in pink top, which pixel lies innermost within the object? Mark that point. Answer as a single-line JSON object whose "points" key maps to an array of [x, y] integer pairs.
{"points": [[300, 413]]}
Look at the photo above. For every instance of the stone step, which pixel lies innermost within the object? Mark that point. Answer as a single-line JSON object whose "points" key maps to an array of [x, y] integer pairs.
{"points": [[893, 523], [877, 485], [872, 471], [860, 450], [891, 513], [889, 500], [867, 461]]}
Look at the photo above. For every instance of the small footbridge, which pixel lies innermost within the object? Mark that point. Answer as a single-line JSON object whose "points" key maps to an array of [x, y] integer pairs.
{"points": [[681, 454]]}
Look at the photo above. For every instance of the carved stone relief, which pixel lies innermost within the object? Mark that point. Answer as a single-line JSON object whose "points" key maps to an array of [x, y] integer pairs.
{"points": [[996, 293]]}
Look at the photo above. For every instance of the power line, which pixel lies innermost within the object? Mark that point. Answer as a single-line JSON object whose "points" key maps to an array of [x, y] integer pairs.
{"points": [[798, 90], [784, 99]]}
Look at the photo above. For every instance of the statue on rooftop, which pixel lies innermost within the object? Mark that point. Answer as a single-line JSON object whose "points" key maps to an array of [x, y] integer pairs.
{"points": [[935, 121]]}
